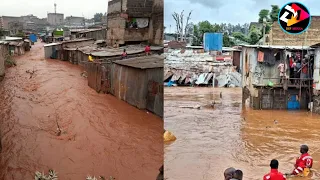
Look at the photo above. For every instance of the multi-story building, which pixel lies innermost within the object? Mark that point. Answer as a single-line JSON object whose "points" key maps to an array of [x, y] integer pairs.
{"points": [[55, 18], [15, 27], [5, 20], [73, 20], [135, 21]]}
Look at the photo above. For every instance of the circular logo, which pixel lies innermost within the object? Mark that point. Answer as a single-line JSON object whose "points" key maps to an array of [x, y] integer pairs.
{"points": [[294, 18]]}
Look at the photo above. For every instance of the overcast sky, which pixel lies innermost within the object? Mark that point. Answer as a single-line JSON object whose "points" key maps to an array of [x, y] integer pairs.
{"points": [[226, 11], [40, 7]]}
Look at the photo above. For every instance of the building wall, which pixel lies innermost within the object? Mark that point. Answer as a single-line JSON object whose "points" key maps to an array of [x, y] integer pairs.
{"points": [[155, 91], [139, 8], [5, 20], [97, 35], [114, 6], [129, 84], [3, 52], [74, 44], [116, 29], [74, 20], [308, 38], [137, 35], [156, 28], [15, 27], [55, 19]]}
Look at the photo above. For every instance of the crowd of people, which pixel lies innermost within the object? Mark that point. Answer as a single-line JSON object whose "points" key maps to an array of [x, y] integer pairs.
{"points": [[301, 168]]}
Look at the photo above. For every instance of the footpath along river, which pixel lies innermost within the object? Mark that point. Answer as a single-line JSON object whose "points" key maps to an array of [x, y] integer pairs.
{"points": [[101, 135], [210, 140]]}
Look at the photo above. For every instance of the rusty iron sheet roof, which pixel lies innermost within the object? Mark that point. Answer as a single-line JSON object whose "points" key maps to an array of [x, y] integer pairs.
{"points": [[277, 47], [144, 62]]}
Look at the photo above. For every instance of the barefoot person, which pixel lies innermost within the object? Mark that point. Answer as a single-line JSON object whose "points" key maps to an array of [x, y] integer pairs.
{"points": [[274, 174]]}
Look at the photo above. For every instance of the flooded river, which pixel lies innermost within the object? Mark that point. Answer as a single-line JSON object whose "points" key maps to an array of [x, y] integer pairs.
{"points": [[209, 140], [100, 135]]}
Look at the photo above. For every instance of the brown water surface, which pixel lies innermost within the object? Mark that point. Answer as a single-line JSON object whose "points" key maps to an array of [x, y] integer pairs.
{"points": [[212, 139], [100, 134]]}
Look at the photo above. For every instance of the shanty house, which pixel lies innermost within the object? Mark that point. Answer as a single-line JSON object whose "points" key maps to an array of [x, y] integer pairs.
{"points": [[263, 88]]}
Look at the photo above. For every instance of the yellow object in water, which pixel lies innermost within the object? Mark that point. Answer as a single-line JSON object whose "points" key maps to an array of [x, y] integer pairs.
{"points": [[168, 136], [90, 58], [306, 171]]}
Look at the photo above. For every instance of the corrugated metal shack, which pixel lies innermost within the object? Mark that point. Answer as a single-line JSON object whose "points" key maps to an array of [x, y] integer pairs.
{"points": [[139, 81], [4, 50], [262, 85], [96, 34]]}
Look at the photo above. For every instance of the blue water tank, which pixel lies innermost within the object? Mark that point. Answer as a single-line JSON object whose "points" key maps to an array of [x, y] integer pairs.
{"points": [[293, 103], [33, 38], [212, 41]]}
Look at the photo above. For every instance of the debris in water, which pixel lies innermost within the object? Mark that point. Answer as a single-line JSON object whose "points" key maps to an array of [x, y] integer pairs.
{"points": [[41, 176], [84, 74], [168, 136]]}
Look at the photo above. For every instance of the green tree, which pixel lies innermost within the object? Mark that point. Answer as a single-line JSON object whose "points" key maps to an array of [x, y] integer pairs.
{"points": [[98, 17], [2, 33], [240, 36], [227, 42], [264, 13], [254, 37], [196, 35], [274, 13]]}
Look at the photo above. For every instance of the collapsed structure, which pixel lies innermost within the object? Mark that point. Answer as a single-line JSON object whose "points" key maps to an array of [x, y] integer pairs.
{"points": [[193, 66]]}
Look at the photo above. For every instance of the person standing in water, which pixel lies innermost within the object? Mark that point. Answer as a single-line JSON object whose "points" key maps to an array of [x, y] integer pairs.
{"points": [[148, 50], [274, 174], [124, 54], [303, 163]]}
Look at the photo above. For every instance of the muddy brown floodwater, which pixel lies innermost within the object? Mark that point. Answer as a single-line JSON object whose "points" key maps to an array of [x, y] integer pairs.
{"points": [[210, 140], [100, 134]]}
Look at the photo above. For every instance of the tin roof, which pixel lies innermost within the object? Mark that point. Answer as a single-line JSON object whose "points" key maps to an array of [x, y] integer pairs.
{"points": [[7, 38], [277, 47], [315, 45], [51, 44], [144, 62]]}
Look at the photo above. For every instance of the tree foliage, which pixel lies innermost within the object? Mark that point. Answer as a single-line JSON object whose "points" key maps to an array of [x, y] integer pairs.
{"points": [[264, 13], [98, 17], [274, 13]]}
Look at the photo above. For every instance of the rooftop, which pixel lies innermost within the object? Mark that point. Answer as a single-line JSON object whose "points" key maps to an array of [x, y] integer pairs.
{"points": [[278, 47], [7, 38], [144, 62]]}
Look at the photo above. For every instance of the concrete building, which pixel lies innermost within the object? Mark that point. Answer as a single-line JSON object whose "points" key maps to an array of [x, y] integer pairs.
{"points": [[310, 37], [15, 27], [55, 18], [73, 20], [5, 20], [316, 80], [135, 21], [261, 82]]}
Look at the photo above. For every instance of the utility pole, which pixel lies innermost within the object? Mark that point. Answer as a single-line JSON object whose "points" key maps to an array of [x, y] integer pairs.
{"points": [[264, 30]]}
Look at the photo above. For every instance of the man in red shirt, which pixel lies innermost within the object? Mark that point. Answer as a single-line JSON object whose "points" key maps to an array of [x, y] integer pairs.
{"points": [[274, 174], [303, 162]]}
